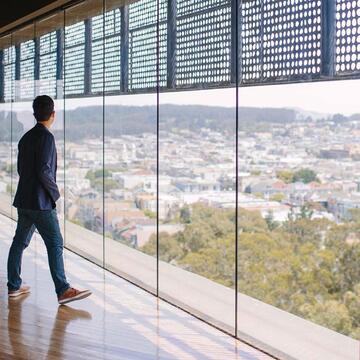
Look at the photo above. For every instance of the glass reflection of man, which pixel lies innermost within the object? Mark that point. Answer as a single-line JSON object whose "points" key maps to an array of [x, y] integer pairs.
{"points": [[35, 200]]}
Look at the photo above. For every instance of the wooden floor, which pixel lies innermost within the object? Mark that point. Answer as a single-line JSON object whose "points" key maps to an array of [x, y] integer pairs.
{"points": [[119, 321]]}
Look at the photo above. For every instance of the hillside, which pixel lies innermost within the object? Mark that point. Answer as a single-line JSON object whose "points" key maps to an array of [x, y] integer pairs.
{"points": [[86, 122]]}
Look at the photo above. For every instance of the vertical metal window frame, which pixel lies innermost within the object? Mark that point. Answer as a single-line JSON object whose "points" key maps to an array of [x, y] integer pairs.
{"points": [[2, 82], [234, 71], [36, 63], [103, 131], [171, 44], [60, 72], [11, 137], [60, 59], [124, 49], [328, 41], [17, 72], [157, 146], [88, 57]]}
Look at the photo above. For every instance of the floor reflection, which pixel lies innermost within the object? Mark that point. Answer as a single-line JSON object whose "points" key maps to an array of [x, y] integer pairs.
{"points": [[18, 319], [64, 316], [15, 333]]}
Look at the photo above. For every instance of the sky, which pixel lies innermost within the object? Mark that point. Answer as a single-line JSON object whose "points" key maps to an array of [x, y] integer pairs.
{"points": [[326, 97]]}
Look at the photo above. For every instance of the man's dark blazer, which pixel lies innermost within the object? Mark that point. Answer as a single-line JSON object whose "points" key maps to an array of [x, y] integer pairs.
{"points": [[37, 164]]}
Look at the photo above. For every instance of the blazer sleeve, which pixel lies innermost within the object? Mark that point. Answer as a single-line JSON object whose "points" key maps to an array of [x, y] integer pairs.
{"points": [[45, 155]]}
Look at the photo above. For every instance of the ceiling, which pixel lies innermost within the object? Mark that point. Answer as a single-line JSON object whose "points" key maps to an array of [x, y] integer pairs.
{"points": [[16, 9], [18, 14]]}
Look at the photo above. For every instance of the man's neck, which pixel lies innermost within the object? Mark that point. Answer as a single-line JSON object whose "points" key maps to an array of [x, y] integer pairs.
{"points": [[45, 123]]}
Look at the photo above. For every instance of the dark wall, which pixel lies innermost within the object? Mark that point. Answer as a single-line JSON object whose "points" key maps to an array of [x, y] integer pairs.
{"points": [[16, 9]]}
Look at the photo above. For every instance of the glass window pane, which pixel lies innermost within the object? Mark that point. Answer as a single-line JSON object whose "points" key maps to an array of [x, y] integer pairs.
{"points": [[6, 167], [130, 187], [84, 173], [299, 239], [130, 155], [197, 203]]}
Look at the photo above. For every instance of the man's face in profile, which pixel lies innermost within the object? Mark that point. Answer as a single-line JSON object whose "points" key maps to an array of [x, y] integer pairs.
{"points": [[52, 118]]}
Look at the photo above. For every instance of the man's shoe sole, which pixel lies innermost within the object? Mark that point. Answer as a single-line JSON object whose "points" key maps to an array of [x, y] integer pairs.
{"points": [[18, 293], [81, 296]]}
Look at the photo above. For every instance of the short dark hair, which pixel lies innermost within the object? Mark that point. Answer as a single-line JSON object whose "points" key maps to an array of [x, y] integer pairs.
{"points": [[43, 106]]}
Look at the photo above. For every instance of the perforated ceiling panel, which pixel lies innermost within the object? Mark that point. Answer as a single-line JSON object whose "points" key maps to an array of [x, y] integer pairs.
{"points": [[143, 43], [347, 36], [97, 55], [27, 55], [48, 45], [251, 40], [74, 58], [188, 7], [112, 50], [9, 73], [162, 51], [281, 40], [203, 42]]}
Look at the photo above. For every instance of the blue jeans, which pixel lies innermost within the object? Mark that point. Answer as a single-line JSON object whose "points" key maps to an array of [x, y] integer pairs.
{"points": [[47, 223]]}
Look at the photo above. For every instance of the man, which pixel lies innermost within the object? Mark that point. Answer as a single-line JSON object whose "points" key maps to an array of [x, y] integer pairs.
{"points": [[35, 200]]}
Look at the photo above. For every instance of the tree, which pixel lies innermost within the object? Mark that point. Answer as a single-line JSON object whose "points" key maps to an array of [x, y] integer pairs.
{"points": [[291, 215], [271, 223], [150, 214], [11, 169], [352, 302], [251, 221], [169, 248], [305, 212], [255, 172], [285, 175], [215, 263], [305, 175], [354, 215], [259, 195], [349, 267], [97, 174], [331, 314], [109, 184], [279, 197], [185, 215]]}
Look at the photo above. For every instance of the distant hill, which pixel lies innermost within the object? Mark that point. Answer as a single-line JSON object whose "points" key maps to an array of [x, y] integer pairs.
{"points": [[86, 122]]}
